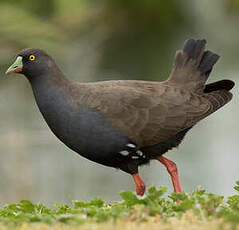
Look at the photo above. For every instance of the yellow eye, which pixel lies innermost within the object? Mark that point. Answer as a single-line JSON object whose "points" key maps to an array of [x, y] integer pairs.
{"points": [[32, 58]]}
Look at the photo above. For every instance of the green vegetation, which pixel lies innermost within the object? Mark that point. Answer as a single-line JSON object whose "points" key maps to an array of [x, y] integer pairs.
{"points": [[153, 208]]}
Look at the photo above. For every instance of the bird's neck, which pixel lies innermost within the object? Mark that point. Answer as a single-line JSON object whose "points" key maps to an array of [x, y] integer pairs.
{"points": [[48, 85], [50, 90], [54, 101]]}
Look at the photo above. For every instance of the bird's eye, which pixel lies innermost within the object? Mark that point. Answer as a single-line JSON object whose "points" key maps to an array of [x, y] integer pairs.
{"points": [[32, 57]]}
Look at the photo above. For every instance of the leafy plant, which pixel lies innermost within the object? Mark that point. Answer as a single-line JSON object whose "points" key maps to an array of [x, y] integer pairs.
{"points": [[131, 208]]}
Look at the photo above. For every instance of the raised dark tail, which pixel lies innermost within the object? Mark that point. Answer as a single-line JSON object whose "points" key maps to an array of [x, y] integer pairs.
{"points": [[192, 65]]}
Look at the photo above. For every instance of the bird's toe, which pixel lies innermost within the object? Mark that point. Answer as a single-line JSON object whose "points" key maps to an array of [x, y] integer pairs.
{"points": [[140, 189]]}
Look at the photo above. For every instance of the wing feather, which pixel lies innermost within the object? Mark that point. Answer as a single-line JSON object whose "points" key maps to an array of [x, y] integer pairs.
{"points": [[148, 114]]}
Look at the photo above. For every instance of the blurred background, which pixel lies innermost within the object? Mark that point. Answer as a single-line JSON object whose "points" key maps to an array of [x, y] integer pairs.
{"points": [[106, 40]]}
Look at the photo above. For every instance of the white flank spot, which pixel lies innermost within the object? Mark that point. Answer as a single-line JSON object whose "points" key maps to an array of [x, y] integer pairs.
{"points": [[131, 145], [124, 153], [140, 153], [135, 157]]}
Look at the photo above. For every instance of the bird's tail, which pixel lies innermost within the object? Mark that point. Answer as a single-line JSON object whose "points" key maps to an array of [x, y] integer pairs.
{"points": [[192, 65]]}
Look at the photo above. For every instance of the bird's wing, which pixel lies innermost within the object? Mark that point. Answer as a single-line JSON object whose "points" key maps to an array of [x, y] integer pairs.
{"points": [[148, 113]]}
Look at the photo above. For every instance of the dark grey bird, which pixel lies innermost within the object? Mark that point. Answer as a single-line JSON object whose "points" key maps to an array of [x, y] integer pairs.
{"points": [[126, 123]]}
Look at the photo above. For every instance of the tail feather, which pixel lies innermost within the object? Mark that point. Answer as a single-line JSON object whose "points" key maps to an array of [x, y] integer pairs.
{"points": [[219, 85], [192, 65], [217, 93], [194, 49], [208, 60], [218, 99]]}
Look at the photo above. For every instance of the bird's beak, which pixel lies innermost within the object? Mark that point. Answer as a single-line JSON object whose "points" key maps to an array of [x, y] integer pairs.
{"points": [[16, 67]]}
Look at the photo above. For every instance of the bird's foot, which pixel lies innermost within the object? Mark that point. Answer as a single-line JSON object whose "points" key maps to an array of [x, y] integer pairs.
{"points": [[139, 183]]}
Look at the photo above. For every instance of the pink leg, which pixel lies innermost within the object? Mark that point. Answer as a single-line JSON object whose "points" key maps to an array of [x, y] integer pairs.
{"points": [[173, 171], [139, 183]]}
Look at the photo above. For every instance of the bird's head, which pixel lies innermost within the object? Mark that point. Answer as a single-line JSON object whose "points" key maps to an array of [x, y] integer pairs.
{"points": [[31, 62]]}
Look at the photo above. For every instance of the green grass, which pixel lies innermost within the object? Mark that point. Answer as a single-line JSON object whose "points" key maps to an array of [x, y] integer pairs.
{"points": [[132, 212]]}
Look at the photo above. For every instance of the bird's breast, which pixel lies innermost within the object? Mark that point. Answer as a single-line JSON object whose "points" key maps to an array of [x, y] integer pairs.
{"points": [[81, 128]]}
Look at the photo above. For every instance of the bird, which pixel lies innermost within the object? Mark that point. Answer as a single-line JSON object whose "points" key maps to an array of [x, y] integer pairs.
{"points": [[126, 123]]}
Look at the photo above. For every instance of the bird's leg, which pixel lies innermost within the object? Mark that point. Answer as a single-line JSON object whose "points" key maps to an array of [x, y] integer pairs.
{"points": [[139, 183], [173, 171]]}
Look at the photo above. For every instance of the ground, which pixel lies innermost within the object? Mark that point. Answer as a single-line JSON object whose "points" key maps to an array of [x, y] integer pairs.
{"points": [[197, 210]]}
